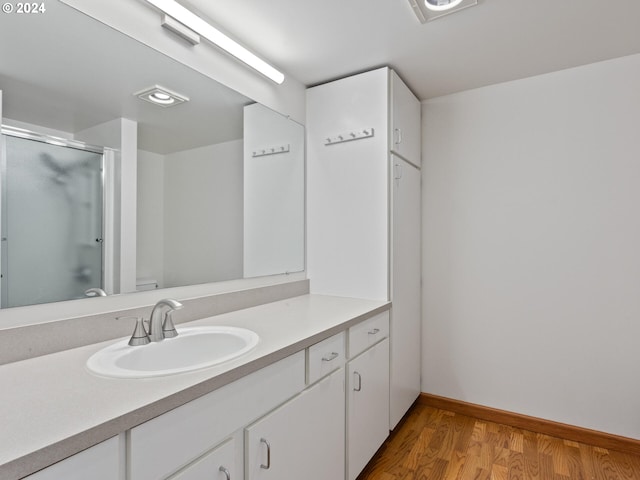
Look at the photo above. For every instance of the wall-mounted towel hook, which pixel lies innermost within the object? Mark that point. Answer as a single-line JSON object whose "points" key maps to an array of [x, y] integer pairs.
{"points": [[349, 137], [272, 150]]}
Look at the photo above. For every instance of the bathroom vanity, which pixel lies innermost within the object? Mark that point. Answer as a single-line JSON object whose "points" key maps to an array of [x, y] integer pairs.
{"points": [[278, 411]]}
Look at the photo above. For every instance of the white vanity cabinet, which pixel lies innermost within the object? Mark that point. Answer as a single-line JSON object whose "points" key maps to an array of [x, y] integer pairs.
{"points": [[318, 414], [167, 444], [100, 462], [363, 208], [367, 392], [303, 439]]}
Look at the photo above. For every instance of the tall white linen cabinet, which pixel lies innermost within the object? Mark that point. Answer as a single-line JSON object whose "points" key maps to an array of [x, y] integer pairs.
{"points": [[363, 208]]}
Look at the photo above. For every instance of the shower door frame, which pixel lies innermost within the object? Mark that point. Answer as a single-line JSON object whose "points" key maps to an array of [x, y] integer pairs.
{"points": [[107, 182]]}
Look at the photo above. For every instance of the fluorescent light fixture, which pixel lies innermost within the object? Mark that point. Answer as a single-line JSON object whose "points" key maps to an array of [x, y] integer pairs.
{"points": [[440, 5], [179, 29], [161, 96], [206, 30]]}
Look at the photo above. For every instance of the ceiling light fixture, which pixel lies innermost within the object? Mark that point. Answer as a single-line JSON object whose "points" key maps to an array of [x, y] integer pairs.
{"points": [[161, 96], [440, 5], [427, 10], [206, 30]]}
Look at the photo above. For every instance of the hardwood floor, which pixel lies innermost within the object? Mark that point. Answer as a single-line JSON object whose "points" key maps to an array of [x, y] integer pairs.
{"points": [[433, 444]]}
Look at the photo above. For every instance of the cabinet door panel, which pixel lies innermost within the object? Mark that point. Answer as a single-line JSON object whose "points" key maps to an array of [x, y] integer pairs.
{"points": [[405, 121], [303, 439], [367, 406], [405, 355]]}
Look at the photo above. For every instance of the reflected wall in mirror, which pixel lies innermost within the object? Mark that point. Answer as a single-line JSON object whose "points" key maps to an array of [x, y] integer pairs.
{"points": [[189, 196]]}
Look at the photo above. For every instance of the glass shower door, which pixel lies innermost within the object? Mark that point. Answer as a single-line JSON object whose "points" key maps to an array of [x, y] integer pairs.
{"points": [[51, 222]]}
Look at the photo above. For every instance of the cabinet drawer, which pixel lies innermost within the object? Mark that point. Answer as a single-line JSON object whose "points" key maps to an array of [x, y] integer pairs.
{"points": [[219, 464], [325, 357], [368, 333], [100, 462]]}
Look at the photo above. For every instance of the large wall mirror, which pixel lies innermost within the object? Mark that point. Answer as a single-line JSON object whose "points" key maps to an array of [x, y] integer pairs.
{"points": [[219, 178]]}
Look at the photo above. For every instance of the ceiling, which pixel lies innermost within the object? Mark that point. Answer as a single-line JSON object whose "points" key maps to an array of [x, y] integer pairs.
{"points": [[314, 42], [493, 42], [54, 80]]}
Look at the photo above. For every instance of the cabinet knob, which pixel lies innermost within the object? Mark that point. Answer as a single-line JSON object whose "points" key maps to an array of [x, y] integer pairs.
{"points": [[268, 465], [375, 331], [226, 473]]}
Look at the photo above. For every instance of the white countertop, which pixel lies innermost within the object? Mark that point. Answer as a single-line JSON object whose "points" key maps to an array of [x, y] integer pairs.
{"points": [[52, 407]]}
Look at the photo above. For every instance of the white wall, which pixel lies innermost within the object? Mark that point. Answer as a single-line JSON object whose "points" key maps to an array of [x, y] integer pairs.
{"points": [[150, 237], [273, 194], [203, 214], [347, 188], [531, 228], [120, 134]]}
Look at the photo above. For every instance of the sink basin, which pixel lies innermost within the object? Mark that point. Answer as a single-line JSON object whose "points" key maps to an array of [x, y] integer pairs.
{"points": [[192, 349]]}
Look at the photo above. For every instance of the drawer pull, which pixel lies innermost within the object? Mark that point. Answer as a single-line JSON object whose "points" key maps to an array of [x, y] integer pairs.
{"points": [[359, 387], [268, 465], [226, 473], [375, 331], [331, 357]]}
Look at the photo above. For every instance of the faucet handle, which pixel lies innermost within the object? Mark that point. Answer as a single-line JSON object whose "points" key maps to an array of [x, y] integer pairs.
{"points": [[168, 328], [140, 335]]}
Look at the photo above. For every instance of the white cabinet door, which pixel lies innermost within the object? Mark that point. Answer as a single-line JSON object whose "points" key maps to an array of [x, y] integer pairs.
{"points": [[405, 355], [219, 464], [303, 439], [367, 406], [405, 121], [100, 462]]}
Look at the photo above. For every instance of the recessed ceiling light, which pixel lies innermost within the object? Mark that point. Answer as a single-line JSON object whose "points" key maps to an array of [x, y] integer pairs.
{"points": [[427, 10], [440, 5], [161, 96]]}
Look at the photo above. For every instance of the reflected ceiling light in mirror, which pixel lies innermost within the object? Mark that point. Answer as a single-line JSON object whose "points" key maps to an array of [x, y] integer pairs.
{"points": [[208, 31], [161, 96], [440, 5], [428, 10]]}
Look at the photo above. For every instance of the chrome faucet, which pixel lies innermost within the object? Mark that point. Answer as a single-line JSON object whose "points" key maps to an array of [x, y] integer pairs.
{"points": [[161, 324], [95, 292]]}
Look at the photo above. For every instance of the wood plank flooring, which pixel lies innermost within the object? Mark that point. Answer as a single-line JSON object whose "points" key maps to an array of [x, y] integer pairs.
{"points": [[433, 444]]}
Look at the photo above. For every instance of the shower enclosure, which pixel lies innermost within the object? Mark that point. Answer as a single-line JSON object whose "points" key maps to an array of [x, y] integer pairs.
{"points": [[51, 218]]}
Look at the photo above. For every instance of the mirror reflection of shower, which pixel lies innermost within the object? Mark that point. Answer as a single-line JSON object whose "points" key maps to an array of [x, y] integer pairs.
{"points": [[52, 221]]}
